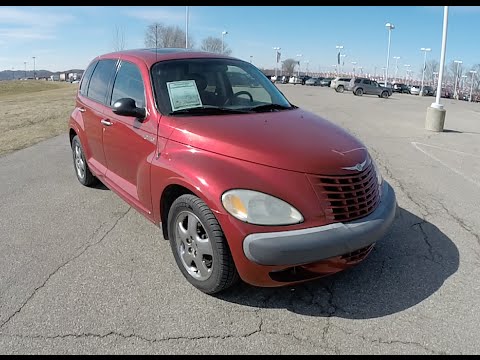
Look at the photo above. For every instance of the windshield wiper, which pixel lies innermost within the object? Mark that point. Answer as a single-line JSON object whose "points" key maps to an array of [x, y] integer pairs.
{"points": [[207, 110], [270, 107]]}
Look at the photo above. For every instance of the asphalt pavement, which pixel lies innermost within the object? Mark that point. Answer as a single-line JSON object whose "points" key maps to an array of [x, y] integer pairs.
{"points": [[83, 273]]}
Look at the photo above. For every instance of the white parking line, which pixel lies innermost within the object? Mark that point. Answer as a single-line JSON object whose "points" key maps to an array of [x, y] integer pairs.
{"points": [[415, 144]]}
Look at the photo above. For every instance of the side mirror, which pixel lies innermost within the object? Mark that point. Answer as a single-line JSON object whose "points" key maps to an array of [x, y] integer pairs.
{"points": [[127, 107]]}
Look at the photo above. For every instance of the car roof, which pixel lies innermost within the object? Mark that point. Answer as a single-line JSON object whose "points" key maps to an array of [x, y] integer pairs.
{"points": [[151, 55]]}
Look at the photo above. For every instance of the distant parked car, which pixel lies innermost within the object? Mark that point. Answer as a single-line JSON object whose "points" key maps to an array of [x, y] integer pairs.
{"points": [[340, 84], [326, 81], [370, 87], [295, 80], [401, 88], [386, 84], [428, 91], [415, 89], [314, 81]]}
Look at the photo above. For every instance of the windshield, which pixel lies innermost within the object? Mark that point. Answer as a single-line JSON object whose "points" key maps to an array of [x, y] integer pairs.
{"points": [[195, 86]]}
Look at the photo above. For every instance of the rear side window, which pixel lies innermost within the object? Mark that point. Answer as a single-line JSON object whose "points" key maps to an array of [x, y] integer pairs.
{"points": [[129, 84], [358, 81], [367, 82], [86, 78], [97, 89]]}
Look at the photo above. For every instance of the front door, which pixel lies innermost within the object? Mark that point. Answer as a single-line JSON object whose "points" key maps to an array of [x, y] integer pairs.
{"points": [[130, 143], [93, 92]]}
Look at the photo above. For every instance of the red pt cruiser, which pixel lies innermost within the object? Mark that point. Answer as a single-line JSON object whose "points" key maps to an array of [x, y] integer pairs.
{"points": [[243, 183]]}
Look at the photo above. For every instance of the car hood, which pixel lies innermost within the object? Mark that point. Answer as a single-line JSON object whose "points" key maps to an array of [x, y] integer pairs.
{"points": [[294, 140]]}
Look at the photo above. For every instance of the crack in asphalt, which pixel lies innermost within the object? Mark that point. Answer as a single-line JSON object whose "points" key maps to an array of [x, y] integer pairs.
{"points": [[64, 264], [430, 248], [135, 336], [387, 342]]}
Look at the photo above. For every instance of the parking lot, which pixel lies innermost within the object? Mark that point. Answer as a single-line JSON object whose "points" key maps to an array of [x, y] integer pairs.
{"points": [[81, 272]]}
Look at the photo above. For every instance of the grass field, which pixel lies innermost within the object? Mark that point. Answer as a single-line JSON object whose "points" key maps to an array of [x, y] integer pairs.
{"points": [[32, 111]]}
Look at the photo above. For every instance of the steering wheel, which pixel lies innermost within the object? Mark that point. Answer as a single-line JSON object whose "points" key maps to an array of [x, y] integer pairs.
{"points": [[230, 98]]}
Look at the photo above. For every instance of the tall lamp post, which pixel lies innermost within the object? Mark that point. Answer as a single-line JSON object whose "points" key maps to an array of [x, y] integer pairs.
{"points": [[339, 55], [223, 35], [342, 61], [458, 62], [34, 73], [354, 63], [299, 56], [276, 60], [396, 66], [407, 67], [425, 50], [435, 74], [435, 118], [473, 72], [186, 27], [306, 68], [251, 59], [390, 27], [25, 63]]}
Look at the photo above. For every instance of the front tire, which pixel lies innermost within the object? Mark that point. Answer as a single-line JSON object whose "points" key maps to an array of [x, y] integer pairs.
{"points": [[340, 89], [199, 246], [384, 94], [359, 92], [84, 175]]}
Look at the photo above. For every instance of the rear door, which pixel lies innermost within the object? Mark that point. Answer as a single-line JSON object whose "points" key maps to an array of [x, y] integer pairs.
{"points": [[130, 143], [93, 113]]}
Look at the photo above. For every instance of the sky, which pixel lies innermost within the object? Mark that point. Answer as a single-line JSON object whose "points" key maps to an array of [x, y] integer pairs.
{"points": [[63, 38]]}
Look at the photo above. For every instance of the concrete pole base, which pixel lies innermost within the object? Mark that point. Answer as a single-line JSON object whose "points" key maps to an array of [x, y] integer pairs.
{"points": [[435, 119]]}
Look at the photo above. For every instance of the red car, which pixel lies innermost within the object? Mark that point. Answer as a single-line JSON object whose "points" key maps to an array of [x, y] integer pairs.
{"points": [[243, 183]]}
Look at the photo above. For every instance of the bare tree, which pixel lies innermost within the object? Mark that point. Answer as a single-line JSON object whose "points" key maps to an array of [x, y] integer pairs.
{"points": [[214, 44], [288, 66], [452, 69], [118, 38], [431, 67], [166, 36]]}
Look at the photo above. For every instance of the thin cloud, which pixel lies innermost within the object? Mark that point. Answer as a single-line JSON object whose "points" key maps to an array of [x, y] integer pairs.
{"points": [[24, 34], [32, 17], [157, 15]]}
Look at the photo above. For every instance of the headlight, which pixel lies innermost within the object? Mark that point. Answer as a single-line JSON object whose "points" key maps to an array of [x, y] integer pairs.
{"points": [[377, 172], [258, 208]]}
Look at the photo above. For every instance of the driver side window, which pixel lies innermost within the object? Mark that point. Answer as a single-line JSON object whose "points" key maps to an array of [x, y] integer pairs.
{"points": [[129, 84]]}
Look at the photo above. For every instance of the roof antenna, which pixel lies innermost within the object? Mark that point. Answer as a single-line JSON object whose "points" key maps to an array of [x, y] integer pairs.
{"points": [[156, 44]]}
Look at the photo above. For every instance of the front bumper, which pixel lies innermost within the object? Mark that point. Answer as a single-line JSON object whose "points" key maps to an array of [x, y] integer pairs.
{"points": [[296, 247]]}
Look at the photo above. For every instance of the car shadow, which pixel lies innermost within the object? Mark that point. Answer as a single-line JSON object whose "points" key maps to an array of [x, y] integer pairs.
{"points": [[405, 268], [460, 132]]}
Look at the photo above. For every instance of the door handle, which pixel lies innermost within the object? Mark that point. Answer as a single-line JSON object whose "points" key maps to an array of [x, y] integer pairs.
{"points": [[81, 109], [106, 122]]}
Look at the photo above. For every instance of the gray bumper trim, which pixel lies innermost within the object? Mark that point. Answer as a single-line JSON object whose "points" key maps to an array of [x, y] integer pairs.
{"points": [[304, 246]]}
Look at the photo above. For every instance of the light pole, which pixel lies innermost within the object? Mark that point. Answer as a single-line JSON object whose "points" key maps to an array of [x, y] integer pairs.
{"points": [[186, 27], [34, 74], [435, 118], [390, 27], [361, 70], [276, 60], [342, 60], [336, 67], [251, 59], [458, 62], [375, 72], [396, 66], [435, 78], [306, 70], [223, 35], [298, 72], [339, 48], [425, 50], [473, 72], [407, 67], [354, 63], [25, 63]]}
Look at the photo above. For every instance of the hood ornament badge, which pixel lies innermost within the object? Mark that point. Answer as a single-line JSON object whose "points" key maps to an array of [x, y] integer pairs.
{"points": [[358, 167]]}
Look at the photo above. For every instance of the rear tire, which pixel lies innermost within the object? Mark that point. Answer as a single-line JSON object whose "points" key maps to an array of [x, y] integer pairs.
{"points": [[384, 94], [340, 89], [359, 92], [82, 171], [199, 246]]}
